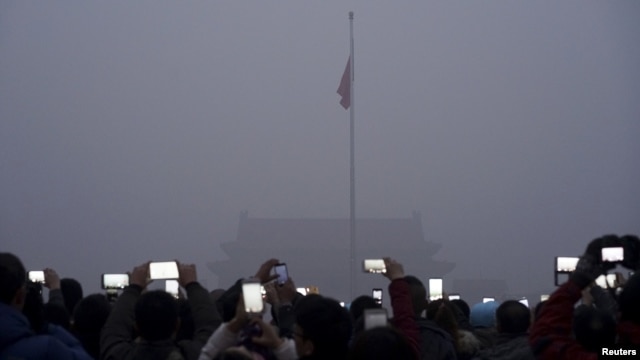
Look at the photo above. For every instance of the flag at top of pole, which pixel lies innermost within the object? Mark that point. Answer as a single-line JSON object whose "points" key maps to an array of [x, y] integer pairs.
{"points": [[344, 89]]}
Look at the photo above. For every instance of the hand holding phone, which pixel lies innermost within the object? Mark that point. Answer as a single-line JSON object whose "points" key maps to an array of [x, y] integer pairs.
{"points": [[140, 275], [612, 254], [435, 289], [375, 266], [280, 269], [393, 269], [566, 264], [51, 279], [163, 270], [36, 276], [187, 274], [115, 281], [252, 296], [377, 295]]}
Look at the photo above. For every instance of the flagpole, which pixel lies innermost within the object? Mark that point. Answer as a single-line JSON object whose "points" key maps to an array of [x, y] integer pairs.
{"points": [[352, 214]]}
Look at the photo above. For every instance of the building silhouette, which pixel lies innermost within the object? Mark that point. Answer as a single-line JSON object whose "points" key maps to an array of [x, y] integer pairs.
{"points": [[317, 252]]}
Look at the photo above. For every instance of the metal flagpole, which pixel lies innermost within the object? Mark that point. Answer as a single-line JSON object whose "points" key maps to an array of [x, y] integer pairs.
{"points": [[352, 215]]}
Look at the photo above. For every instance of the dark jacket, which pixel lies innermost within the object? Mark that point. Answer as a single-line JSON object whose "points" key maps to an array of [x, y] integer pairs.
{"points": [[18, 341], [435, 342], [117, 341], [403, 318], [550, 336], [509, 347]]}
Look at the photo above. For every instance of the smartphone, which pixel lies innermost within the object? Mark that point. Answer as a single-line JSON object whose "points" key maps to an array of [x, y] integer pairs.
{"points": [[375, 318], [302, 290], [524, 301], [163, 270], [613, 254], [376, 266], [172, 287], [607, 281], [454, 297], [488, 299], [435, 289], [565, 264], [36, 276], [281, 271], [114, 281], [377, 296], [252, 295]]}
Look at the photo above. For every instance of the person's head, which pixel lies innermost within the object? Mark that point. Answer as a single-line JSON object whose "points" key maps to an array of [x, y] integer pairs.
{"points": [[72, 293], [89, 317], [512, 317], [322, 328], [538, 309], [360, 304], [227, 302], [594, 328], [57, 315], [13, 277], [629, 300], [441, 312], [156, 314], [33, 308], [463, 306], [381, 343], [483, 315], [187, 324], [418, 294]]}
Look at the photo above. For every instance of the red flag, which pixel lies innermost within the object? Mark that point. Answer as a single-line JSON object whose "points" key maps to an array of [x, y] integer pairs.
{"points": [[344, 89]]}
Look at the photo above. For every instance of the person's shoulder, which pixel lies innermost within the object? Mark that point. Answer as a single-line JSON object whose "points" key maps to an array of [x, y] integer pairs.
{"points": [[35, 347]]}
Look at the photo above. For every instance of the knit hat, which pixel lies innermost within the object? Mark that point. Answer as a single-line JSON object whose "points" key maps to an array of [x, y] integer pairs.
{"points": [[483, 315]]}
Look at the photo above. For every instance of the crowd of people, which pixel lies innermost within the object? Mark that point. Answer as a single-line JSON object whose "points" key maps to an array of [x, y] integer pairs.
{"points": [[580, 320]]}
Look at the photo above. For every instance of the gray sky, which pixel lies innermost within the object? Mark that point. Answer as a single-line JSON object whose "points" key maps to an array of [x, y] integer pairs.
{"points": [[139, 130]]}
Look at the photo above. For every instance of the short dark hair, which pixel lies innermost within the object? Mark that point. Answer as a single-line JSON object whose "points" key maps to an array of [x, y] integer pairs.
{"points": [[156, 315], [418, 294], [89, 317], [463, 306], [13, 276], [513, 317], [326, 324], [72, 293], [360, 304], [381, 343]]}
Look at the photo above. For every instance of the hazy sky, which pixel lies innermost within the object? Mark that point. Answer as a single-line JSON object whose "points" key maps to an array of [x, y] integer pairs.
{"points": [[135, 130]]}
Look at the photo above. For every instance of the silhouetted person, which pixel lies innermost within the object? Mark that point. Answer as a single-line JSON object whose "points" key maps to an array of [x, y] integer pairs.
{"points": [[17, 339], [512, 343], [381, 343], [156, 317], [89, 317], [435, 342]]}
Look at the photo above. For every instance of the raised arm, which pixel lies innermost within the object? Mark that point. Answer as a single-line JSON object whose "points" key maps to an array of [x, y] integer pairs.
{"points": [[403, 316], [116, 340]]}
